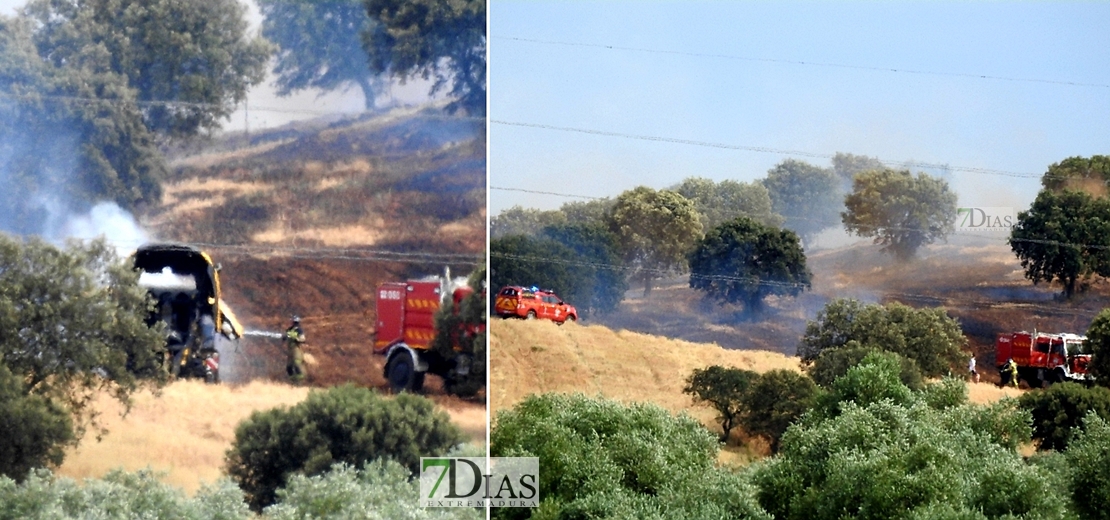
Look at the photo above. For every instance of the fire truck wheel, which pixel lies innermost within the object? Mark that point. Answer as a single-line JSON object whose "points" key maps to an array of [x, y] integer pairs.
{"points": [[402, 374], [531, 315], [1058, 376]]}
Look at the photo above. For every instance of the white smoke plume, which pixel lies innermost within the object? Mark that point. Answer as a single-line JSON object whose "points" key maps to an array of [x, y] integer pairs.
{"points": [[105, 219]]}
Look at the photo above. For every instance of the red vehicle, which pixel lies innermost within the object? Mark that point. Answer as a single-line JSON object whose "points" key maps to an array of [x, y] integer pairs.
{"points": [[406, 328], [531, 303], [1043, 358]]}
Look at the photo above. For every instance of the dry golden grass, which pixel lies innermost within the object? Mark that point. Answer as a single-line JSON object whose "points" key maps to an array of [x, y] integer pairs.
{"points": [[328, 236], [538, 356], [193, 194], [209, 159], [983, 393], [185, 432]]}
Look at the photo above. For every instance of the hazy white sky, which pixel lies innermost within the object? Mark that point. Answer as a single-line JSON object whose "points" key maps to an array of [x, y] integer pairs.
{"points": [[728, 73]]}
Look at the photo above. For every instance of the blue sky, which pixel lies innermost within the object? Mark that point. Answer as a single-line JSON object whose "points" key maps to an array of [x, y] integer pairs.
{"points": [[725, 73]]}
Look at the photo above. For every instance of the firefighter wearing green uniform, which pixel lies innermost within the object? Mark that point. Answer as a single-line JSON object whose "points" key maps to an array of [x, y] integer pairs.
{"points": [[294, 338]]}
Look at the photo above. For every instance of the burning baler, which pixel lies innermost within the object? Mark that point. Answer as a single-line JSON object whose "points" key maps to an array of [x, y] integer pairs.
{"points": [[406, 330], [186, 284]]}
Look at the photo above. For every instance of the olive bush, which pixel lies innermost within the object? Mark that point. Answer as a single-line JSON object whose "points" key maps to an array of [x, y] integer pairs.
{"points": [[119, 495], [604, 459], [342, 424], [1058, 410]]}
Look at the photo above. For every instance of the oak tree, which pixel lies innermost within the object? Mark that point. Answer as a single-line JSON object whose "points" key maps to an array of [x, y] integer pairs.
{"points": [[901, 211], [655, 231], [723, 389], [74, 325], [190, 63], [808, 197], [742, 261], [720, 202], [928, 336], [319, 45], [432, 39], [1064, 237]]}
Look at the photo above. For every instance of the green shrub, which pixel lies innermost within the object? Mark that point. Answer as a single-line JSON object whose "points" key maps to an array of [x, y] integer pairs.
{"points": [[119, 495], [603, 459], [886, 460], [341, 424], [1088, 457], [1058, 410], [774, 401], [875, 379], [947, 393], [928, 336], [835, 362], [34, 431], [383, 490]]}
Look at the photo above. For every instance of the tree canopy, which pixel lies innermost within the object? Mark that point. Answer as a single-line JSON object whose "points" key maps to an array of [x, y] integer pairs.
{"points": [[846, 166], [432, 39], [1063, 237], [519, 220], [70, 135], [189, 63], [929, 337], [602, 281], [923, 463], [1059, 409], [742, 261], [807, 196], [74, 324], [319, 45], [655, 231], [901, 211], [1079, 173], [719, 202]]}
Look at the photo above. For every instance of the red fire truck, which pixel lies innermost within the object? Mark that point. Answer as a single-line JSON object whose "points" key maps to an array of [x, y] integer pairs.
{"points": [[407, 326], [1043, 358]]}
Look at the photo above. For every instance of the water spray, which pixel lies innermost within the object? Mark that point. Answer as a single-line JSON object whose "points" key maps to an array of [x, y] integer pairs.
{"points": [[263, 333]]}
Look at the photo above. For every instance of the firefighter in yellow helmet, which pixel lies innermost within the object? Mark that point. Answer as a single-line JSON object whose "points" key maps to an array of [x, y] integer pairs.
{"points": [[294, 338]]}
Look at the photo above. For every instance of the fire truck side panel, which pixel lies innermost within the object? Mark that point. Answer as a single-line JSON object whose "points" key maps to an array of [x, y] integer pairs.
{"points": [[421, 303], [1003, 349], [391, 315]]}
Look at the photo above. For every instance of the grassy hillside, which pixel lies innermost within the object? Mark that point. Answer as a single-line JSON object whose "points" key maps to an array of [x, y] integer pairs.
{"points": [[538, 356]]}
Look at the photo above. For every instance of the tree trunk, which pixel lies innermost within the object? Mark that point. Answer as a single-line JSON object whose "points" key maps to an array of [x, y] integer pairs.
{"points": [[368, 93], [647, 285]]}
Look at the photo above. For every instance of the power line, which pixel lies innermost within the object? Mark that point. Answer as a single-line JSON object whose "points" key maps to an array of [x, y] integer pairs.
{"points": [[806, 63], [201, 105], [766, 149]]}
